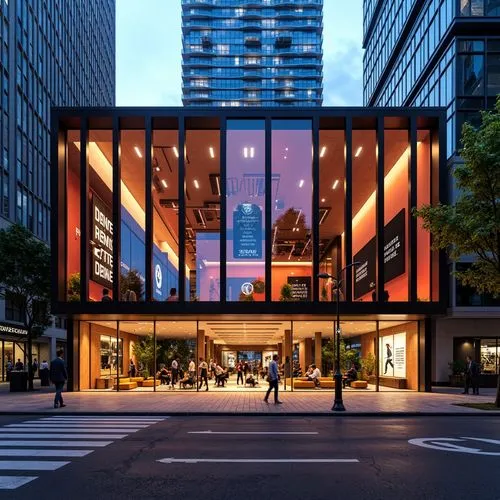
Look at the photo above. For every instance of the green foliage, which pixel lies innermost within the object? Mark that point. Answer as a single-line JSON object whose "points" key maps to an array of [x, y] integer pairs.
{"points": [[471, 226], [259, 286], [168, 349], [286, 293], [25, 279], [131, 281], [367, 366], [74, 287], [143, 350], [457, 367], [347, 356]]}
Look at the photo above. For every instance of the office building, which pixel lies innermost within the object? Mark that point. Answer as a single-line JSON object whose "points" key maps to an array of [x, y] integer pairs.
{"points": [[52, 53], [253, 53], [442, 53], [205, 236]]}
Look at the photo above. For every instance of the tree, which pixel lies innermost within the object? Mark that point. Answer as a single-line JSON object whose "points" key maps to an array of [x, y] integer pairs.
{"points": [[131, 281], [471, 225], [25, 281], [143, 350]]}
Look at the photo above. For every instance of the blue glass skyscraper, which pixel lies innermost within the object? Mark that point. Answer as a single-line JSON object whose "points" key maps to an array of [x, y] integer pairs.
{"points": [[252, 53]]}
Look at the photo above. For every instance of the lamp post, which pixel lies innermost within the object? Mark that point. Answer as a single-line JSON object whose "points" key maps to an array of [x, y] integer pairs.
{"points": [[338, 404]]}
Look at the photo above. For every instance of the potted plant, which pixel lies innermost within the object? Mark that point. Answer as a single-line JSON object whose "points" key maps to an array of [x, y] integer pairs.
{"points": [[74, 287], [368, 367], [286, 293], [457, 377], [259, 290]]}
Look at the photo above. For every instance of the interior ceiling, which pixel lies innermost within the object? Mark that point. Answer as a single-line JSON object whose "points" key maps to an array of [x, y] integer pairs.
{"points": [[249, 333], [203, 203]]}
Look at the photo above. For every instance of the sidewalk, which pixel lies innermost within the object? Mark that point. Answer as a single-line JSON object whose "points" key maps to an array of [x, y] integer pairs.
{"points": [[441, 402]]}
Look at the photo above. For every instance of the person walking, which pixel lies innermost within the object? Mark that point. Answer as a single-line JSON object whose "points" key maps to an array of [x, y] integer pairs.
{"points": [[273, 381], [203, 367], [239, 370], [175, 372], [58, 376]]}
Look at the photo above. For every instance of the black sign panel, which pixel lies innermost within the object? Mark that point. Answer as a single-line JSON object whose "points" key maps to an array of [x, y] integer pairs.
{"points": [[394, 247], [8, 329], [394, 257], [365, 273], [247, 224], [101, 243], [301, 288]]}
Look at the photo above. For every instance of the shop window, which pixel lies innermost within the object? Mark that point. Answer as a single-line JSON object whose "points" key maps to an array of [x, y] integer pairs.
{"points": [[12, 310], [490, 356]]}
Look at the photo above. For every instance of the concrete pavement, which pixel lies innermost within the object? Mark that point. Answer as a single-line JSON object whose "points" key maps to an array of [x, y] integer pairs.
{"points": [[443, 401]]}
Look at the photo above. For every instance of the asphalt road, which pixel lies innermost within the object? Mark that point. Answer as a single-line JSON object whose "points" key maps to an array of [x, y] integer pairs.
{"points": [[249, 458]]}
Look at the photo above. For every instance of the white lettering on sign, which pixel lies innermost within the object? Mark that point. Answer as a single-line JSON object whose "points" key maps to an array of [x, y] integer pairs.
{"points": [[102, 239], [391, 249], [362, 271]]}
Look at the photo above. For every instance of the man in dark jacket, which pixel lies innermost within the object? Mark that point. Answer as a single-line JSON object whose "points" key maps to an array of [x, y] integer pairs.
{"points": [[58, 377]]}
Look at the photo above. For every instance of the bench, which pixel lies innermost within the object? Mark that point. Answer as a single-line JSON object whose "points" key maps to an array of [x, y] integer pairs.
{"points": [[326, 383], [394, 382], [303, 383], [150, 382], [102, 383], [359, 384], [125, 384]]}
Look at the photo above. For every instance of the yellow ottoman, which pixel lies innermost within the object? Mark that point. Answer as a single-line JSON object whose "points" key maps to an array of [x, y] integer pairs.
{"points": [[303, 384], [359, 384]]}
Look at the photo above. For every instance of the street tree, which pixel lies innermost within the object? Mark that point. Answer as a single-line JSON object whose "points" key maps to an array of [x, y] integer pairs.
{"points": [[471, 225], [25, 281]]}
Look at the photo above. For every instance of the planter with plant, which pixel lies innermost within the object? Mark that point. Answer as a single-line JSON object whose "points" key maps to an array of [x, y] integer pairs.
{"points": [[286, 293], [74, 287], [259, 290], [457, 377]]}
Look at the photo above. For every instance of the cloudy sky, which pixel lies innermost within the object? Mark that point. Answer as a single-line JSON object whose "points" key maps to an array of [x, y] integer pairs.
{"points": [[148, 52]]}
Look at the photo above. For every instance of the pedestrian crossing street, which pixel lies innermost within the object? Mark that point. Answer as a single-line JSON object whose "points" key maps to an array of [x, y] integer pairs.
{"points": [[47, 444]]}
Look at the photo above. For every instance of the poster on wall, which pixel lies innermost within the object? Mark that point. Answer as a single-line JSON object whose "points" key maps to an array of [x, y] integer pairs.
{"points": [[101, 243], [394, 257], [247, 226], [301, 288], [393, 355]]}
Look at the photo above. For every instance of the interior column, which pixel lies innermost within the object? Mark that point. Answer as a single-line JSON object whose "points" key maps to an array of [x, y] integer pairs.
{"points": [[200, 344], [305, 352], [317, 349], [288, 347]]}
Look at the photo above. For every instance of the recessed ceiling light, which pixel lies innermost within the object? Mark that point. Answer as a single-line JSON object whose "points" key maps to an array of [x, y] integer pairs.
{"points": [[164, 183], [138, 151], [176, 151], [335, 184], [196, 184], [323, 151], [211, 151], [323, 200], [301, 183], [157, 168], [252, 152], [358, 151]]}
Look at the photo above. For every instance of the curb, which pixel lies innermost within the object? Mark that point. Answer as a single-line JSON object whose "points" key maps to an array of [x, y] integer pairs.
{"points": [[392, 414]]}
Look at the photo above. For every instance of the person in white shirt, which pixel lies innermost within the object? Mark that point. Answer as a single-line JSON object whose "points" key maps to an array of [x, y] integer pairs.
{"points": [[314, 375], [175, 372], [203, 366], [192, 368]]}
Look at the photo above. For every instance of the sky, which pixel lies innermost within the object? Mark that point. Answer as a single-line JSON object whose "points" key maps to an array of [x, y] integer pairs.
{"points": [[148, 53]]}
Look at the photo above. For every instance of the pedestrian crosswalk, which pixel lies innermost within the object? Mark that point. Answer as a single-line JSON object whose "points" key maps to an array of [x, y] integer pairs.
{"points": [[49, 443]]}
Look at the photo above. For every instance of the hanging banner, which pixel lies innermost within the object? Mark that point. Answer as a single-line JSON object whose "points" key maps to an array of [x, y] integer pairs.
{"points": [[101, 243], [247, 227]]}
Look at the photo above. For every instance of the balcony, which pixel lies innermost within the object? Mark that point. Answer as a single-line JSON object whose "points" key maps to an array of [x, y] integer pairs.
{"points": [[253, 41], [283, 41], [206, 42]]}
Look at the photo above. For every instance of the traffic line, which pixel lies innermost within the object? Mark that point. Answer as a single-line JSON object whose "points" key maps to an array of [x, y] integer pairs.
{"points": [[14, 482], [55, 444], [47, 435], [114, 419], [256, 433], [44, 453], [65, 429], [80, 424], [31, 465], [92, 427], [258, 460]]}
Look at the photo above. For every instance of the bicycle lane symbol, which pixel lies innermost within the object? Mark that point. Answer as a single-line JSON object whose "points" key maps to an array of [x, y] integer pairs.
{"points": [[449, 444]]}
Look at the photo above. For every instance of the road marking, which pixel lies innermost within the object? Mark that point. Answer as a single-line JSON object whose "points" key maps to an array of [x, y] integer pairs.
{"points": [[16, 435], [44, 453], [258, 460], [54, 444], [256, 433], [31, 465], [57, 430], [78, 426], [14, 482], [447, 444], [113, 419]]}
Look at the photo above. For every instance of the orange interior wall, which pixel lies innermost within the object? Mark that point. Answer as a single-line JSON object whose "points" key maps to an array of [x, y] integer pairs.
{"points": [[73, 200], [280, 276]]}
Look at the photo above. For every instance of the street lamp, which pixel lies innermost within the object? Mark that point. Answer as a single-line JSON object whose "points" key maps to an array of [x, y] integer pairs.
{"points": [[338, 404]]}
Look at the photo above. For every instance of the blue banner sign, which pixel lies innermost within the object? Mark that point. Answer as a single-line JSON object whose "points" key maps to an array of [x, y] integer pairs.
{"points": [[247, 227]]}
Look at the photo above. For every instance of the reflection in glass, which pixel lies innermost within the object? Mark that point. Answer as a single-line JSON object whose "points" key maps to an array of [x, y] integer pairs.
{"points": [[291, 213], [245, 227]]}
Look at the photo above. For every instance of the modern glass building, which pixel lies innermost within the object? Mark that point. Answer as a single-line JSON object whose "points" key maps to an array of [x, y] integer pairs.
{"points": [[252, 53], [441, 53], [182, 232], [52, 53]]}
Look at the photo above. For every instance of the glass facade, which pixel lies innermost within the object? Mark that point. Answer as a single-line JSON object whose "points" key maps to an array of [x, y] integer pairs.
{"points": [[214, 230], [252, 53], [52, 53]]}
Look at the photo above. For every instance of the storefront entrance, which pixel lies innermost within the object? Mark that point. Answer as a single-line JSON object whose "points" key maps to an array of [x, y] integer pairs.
{"points": [[160, 356]]}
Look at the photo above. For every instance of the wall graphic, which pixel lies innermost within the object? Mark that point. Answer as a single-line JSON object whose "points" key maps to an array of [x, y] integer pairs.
{"points": [[247, 224], [394, 257], [301, 288], [101, 243], [393, 355]]}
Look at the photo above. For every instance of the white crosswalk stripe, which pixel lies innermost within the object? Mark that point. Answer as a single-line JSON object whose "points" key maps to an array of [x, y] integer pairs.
{"points": [[33, 444]]}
